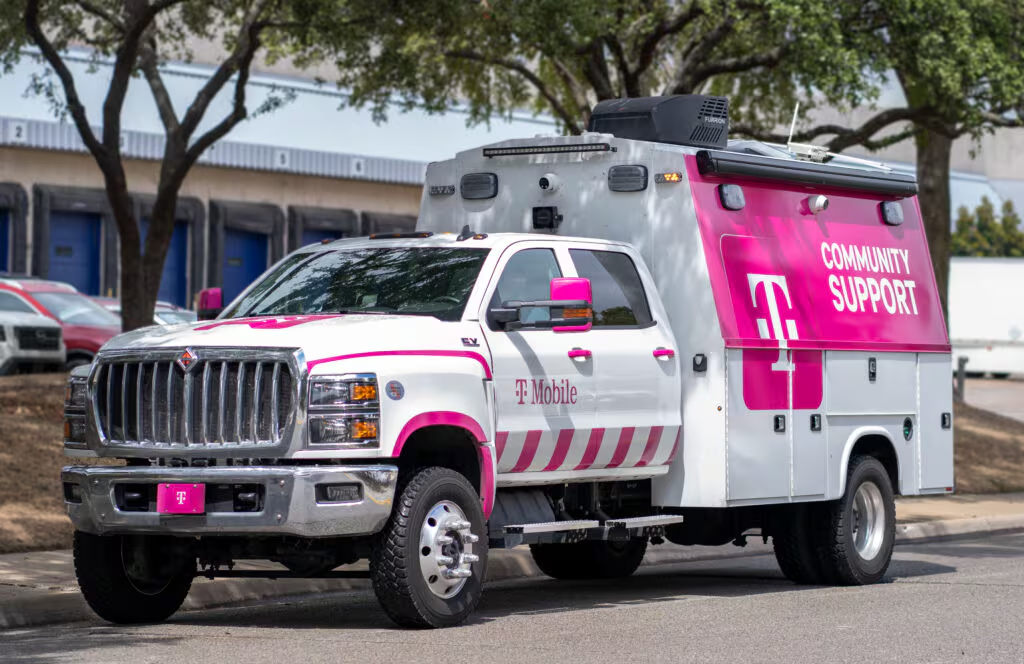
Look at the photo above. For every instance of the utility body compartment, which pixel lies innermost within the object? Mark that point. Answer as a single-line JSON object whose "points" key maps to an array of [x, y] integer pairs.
{"points": [[800, 297]]}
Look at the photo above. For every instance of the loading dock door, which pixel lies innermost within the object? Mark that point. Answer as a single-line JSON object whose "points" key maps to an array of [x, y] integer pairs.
{"points": [[74, 250], [5, 244], [174, 280], [245, 258], [317, 236]]}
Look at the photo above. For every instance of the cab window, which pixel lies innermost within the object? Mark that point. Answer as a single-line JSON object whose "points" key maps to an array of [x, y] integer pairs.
{"points": [[619, 299], [527, 276]]}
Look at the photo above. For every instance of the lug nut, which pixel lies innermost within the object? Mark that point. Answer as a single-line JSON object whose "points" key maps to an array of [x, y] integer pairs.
{"points": [[444, 561], [468, 558], [458, 524], [443, 539], [457, 573], [470, 538]]}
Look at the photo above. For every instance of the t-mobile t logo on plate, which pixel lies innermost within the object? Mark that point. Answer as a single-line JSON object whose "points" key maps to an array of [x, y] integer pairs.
{"points": [[770, 306]]}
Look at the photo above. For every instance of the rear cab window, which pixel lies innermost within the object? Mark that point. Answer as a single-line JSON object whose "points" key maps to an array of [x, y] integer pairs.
{"points": [[618, 293]]}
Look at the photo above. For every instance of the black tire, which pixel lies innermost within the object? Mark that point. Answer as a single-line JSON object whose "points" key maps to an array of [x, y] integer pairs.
{"points": [[1001, 375], [589, 560], [403, 592], [118, 596], [841, 561], [795, 545]]}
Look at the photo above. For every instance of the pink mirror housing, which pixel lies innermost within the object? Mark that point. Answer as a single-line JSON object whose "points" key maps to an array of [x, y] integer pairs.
{"points": [[572, 288]]}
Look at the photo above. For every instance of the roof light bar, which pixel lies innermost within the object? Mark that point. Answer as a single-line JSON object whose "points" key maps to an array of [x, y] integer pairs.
{"points": [[548, 149], [400, 236]]}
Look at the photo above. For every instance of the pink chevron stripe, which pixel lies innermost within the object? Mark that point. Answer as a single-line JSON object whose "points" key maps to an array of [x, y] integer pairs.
{"points": [[561, 449], [593, 447], [529, 451], [653, 440], [499, 444], [625, 438]]}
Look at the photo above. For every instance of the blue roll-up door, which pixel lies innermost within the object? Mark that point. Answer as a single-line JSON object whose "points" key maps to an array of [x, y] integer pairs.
{"points": [[5, 243], [174, 280], [245, 258], [317, 236], [74, 250]]}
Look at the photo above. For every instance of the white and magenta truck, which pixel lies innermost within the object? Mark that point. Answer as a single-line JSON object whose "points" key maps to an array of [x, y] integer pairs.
{"points": [[591, 344]]}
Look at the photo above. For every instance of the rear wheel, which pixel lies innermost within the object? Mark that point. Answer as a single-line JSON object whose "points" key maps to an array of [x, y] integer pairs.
{"points": [[429, 562], [131, 579], [860, 528], [590, 559]]}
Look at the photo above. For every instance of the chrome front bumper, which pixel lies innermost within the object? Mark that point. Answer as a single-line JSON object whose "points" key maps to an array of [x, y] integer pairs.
{"points": [[289, 500]]}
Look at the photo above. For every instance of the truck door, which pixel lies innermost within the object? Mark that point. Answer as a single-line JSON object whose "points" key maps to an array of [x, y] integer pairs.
{"points": [[544, 397], [635, 361]]}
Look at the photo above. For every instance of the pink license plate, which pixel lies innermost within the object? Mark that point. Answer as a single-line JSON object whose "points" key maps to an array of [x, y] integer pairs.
{"points": [[180, 498]]}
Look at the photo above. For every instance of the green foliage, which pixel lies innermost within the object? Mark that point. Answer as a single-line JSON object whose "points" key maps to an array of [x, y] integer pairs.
{"points": [[983, 234], [498, 56]]}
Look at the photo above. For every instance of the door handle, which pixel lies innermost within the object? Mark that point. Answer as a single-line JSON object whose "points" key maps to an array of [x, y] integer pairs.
{"points": [[660, 352], [579, 353]]}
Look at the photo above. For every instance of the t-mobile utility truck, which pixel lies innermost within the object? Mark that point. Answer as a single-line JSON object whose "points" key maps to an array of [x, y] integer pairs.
{"points": [[591, 344]]}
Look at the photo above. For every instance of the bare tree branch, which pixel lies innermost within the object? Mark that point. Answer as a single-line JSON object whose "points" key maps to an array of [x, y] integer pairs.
{"points": [[571, 120], [227, 69], [151, 72], [576, 89], [75, 107]]}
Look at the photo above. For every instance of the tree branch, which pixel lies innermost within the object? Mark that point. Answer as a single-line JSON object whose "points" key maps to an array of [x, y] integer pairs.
{"points": [[243, 49], [844, 136], [101, 14], [733, 65], [164, 105], [571, 120], [674, 25], [683, 81], [75, 107]]}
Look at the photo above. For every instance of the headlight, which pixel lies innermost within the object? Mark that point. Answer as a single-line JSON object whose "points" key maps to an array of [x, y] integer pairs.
{"points": [[344, 411], [76, 400]]}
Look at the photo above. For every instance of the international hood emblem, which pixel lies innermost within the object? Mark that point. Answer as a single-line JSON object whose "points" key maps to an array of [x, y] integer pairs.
{"points": [[187, 359]]}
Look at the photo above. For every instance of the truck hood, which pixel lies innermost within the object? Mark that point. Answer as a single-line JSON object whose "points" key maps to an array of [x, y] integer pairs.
{"points": [[27, 320], [319, 336]]}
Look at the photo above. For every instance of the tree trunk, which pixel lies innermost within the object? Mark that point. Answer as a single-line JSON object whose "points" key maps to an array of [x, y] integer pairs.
{"points": [[933, 157]]}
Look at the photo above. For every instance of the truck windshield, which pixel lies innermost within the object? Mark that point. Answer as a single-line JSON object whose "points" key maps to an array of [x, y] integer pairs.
{"points": [[411, 281]]}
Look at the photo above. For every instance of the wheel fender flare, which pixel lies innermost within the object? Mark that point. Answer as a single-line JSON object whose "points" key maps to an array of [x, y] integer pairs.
{"points": [[485, 448], [853, 439]]}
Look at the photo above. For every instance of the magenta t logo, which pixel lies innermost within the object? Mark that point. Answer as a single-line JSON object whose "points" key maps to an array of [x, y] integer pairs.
{"points": [[774, 307], [774, 326], [521, 390]]}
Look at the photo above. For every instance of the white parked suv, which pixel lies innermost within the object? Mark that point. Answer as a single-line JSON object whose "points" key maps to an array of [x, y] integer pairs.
{"points": [[29, 342]]}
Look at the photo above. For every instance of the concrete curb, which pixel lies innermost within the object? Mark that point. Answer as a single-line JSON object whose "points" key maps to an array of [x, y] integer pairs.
{"points": [[64, 605]]}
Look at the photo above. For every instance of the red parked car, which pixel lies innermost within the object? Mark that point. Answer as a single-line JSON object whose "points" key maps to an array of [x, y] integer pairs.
{"points": [[87, 325]]}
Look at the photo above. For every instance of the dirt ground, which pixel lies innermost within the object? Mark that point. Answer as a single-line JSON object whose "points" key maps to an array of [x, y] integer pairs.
{"points": [[989, 459]]}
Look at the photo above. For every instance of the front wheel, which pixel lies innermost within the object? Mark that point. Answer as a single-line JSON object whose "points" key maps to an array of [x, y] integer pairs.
{"points": [[856, 547], [428, 563], [132, 579]]}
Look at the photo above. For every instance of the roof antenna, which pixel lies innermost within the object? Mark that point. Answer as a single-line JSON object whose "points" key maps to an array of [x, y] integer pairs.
{"points": [[465, 234], [816, 153]]}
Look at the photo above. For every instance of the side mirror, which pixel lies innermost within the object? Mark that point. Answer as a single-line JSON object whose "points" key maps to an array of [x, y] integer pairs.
{"points": [[574, 289], [211, 303], [569, 306]]}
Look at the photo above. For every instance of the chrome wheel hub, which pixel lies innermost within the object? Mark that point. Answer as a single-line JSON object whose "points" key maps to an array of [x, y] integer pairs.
{"points": [[868, 520], [446, 549]]}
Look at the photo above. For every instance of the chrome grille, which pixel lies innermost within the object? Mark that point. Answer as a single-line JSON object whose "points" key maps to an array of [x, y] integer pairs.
{"points": [[219, 402]]}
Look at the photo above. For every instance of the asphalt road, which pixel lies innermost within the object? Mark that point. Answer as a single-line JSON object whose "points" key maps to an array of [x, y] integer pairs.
{"points": [[943, 602]]}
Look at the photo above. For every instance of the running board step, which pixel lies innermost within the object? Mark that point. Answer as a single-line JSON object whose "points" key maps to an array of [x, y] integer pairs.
{"points": [[549, 527], [644, 521], [549, 532]]}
